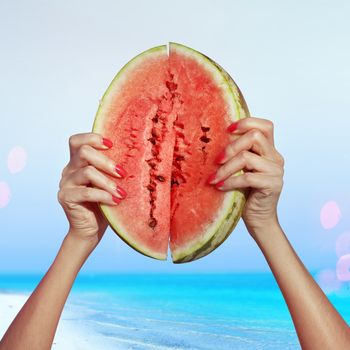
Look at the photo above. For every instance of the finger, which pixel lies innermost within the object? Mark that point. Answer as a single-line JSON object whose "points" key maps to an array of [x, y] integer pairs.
{"points": [[271, 184], [263, 125], [86, 194], [91, 139], [91, 176], [249, 161], [86, 155], [253, 140]]}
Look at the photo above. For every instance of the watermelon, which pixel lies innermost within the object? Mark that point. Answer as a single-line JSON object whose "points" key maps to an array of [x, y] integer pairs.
{"points": [[167, 111]]}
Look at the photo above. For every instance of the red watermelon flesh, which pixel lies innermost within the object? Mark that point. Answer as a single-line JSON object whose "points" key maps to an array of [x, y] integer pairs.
{"points": [[167, 116]]}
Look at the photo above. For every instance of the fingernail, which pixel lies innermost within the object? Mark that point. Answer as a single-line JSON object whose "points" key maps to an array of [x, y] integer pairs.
{"points": [[211, 178], [116, 199], [221, 156], [121, 191], [107, 142], [232, 127], [120, 170], [219, 184]]}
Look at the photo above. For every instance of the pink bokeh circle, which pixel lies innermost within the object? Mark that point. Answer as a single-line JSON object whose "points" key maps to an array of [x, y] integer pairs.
{"points": [[5, 194], [16, 159], [328, 281], [343, 268], [342, 244], [330, 215]]}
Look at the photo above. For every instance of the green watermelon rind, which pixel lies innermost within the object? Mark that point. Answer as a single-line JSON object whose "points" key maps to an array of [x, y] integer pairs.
{"points": [[236, 199], [98, 123], [243, 107]]}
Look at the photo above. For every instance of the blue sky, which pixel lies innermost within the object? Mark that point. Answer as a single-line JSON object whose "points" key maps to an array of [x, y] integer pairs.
{"points": [[290, 59]]}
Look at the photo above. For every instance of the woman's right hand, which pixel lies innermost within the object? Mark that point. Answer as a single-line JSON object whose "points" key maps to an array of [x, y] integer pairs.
{"points": [[84, 184]]}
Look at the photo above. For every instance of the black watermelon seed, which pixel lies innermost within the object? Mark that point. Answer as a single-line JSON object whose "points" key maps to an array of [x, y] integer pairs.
{"points": [[152, 140], [150, 188], [152, 223], [205, 139]]}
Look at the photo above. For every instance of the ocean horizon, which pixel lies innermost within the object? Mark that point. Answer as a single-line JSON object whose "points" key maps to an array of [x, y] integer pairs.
{"points": [[179, 311]]}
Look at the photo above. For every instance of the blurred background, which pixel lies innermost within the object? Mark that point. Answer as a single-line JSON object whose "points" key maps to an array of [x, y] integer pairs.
{"points": [[291, 61]]}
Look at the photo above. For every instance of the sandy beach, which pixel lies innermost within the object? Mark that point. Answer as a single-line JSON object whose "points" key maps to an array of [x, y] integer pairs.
{"points": [[69, 335], [167, 312]]}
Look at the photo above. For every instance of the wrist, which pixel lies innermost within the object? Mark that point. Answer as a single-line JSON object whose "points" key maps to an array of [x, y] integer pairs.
{"points": [[265, 231], [72, 254], [78, 244]]}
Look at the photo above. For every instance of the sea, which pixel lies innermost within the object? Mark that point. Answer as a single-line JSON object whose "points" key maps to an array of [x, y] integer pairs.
{"points": [[181, 311]]}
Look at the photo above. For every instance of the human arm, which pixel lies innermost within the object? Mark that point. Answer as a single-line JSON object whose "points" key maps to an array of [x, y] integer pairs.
{"points": [[35, 325], [317, 323]]}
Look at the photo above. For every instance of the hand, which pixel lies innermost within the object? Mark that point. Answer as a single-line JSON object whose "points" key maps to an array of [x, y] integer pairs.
{"points": [[262, 179], [84, 185]]}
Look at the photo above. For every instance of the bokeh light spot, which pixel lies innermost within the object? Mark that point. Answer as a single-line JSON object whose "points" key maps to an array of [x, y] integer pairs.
{"points": [[343, 268], [328, 281], [5, 194], [330, 215], [16, 159], [342, 245]]}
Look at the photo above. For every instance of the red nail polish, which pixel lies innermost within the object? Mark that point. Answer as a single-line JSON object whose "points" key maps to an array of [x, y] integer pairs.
{"points": [[219, 184], [116, 199], [232, 127], [107, 142], [120, 170], [221, 156], [211, 178], [121, 191]]}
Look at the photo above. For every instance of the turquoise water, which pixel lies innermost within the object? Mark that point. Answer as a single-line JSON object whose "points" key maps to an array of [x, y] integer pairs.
{"points": [[192, 311]]}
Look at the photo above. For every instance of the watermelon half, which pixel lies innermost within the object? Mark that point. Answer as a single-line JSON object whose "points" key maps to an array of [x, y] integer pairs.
{"points": [[167, 111]]}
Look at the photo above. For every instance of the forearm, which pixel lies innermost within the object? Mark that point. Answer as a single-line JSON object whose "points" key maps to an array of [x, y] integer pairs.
{"points": [[318, 324], [35, 325]]}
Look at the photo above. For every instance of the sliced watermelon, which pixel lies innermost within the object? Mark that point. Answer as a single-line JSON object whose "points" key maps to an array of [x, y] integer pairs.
{"points": [[167, 116]]}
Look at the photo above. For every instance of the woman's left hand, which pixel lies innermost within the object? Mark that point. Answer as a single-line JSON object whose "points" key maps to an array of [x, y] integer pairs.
{"points": [[254, 153]]}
